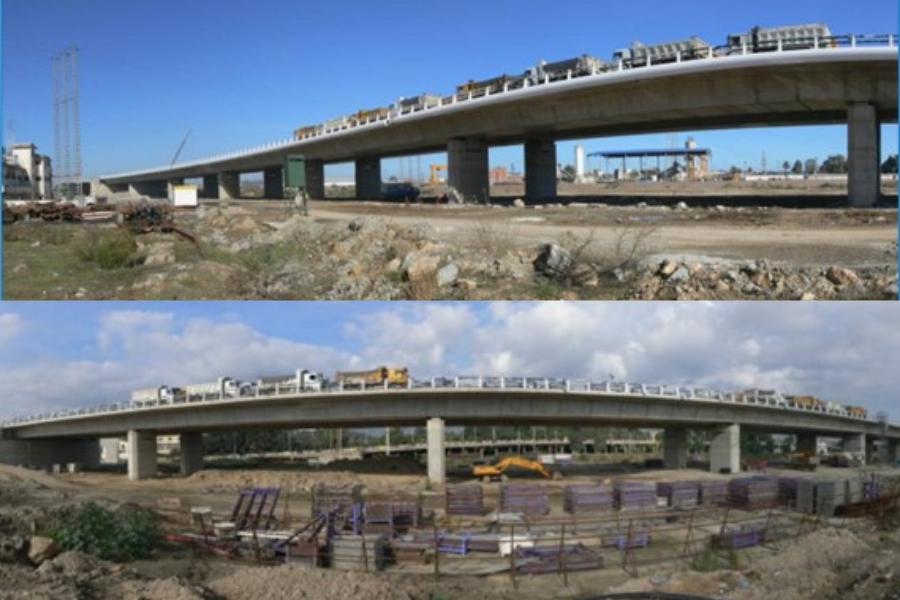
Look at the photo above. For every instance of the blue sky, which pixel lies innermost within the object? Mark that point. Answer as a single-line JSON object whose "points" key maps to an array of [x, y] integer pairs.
{"points": [[73, 355], [240, 74]]}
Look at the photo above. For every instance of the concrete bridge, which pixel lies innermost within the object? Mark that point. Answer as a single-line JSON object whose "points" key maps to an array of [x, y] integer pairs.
{"points": [[72, 437], [854, 83]]}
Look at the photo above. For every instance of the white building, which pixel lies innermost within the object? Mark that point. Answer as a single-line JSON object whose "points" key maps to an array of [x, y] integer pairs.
{"points": [[27, 175]]}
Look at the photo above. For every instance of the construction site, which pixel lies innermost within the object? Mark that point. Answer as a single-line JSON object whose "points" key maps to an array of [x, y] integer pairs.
{"points": [[375, 529]]}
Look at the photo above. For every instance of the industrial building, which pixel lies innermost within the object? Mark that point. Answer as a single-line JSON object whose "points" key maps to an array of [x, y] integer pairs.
{"points": [[27, 175]]}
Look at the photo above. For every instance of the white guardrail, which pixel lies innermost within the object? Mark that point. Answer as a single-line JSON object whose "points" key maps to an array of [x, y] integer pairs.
{"points": [[752, 396], [824, 44]]}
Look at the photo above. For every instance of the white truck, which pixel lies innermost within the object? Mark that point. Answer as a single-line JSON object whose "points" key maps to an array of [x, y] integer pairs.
{"points": [[156, 396], [301, 380], [223, 387], [640, 55]]}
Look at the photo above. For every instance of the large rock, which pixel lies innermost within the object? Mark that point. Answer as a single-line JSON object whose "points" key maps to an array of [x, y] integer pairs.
{"points": [[667, 268], [552, 261], [447, 275], [418, 266], [42, 548], [841, 276]]}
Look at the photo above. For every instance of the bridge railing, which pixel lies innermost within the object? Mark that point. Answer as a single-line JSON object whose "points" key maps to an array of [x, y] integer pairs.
{"points": [[399, 111], [759, 397]]}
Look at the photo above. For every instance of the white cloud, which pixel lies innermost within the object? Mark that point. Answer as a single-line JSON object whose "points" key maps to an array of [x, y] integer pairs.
{"points": [[11, 325]]}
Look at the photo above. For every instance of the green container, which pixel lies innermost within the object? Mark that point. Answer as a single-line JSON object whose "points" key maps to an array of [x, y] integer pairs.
{"points": [[294, 173]]}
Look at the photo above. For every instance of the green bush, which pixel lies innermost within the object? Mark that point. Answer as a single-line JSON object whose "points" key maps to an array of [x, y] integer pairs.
{"points": [[95, 530], [110, 249]]}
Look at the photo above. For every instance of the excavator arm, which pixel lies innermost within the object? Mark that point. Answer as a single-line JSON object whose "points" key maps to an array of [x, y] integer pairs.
{"points": [[497, 469]]}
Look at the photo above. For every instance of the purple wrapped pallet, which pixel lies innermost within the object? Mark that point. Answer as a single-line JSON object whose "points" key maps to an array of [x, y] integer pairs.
{"points": [[679, 494], [635, 495], [588, 498]]}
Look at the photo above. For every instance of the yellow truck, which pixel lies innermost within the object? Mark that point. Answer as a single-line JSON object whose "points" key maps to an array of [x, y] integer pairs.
{"points": [[395, 377]]}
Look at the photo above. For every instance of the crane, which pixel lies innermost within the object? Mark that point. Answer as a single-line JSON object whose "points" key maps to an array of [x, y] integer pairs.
{"points": [[183, 140]]}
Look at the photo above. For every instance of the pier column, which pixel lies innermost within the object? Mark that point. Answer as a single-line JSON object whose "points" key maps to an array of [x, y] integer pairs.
{"points": [[675, 448], [725, 450], [540, 169], [437, 468], [315, 179], [273, 183], [368, 178], [141, 455], [467, 168], [210, 187], [191, 452], [229, 185], [855, 444], [863, 154]]}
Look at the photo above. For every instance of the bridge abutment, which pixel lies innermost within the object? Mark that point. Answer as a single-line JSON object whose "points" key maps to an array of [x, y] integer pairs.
{"points": [[540, 169], [315, 178], [153, 189], [675, 448], [273, 183], [725, 450], [44, 454], [229, 185], [437, 461], [141, 455], [863, 154], [467, 167], [368, 178], [191, 452]]}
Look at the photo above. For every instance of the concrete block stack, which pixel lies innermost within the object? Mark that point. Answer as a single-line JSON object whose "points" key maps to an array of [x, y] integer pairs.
{"points": [[754, 493], [529, 500], [829, 495], [854, 490], [633, 495], [806, 495], [379, 518], [679, 494], [326, 497], [587, 498], [358, 552], [713, 492], [464, 500]]}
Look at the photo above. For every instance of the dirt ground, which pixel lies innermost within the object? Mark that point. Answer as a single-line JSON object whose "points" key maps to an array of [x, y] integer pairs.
{"points": [[729, 240], [852, 559]]}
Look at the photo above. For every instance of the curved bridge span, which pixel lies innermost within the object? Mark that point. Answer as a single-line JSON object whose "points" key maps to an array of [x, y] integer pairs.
{"points": [[438, 402], [854, 83]]}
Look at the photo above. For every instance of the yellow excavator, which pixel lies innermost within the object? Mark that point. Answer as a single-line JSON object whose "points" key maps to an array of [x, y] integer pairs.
{"points": [[497, 470]]}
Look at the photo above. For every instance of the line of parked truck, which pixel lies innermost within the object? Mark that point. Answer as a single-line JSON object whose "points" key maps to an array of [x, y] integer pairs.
{"points": [[301, 380], [756, 40]]}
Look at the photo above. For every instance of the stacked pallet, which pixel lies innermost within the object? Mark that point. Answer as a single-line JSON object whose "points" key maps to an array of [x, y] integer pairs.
{"points": [[557, 559], [787, 489], [524, 499], [634, 495], [806, 495], [379, 518], [358, 552], [407, 513], [753, 493], [829, 495], [713, 492], [464, 500], [636, 537], [679, 494], [586, 498]]}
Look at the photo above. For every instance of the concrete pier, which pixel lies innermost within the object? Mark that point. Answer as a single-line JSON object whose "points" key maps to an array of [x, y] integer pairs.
{"points": [[273, 183], [315, 178], [863, 154], [229, 185], [141, 455], [675, 448], [856, 444], [540, 169], [437, 462], [725, 450], [807, 442], [368, 178], [210, 187], [191, 452], [467, 168]]}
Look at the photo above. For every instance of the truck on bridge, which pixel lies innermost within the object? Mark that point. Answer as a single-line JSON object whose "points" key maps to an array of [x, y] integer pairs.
{"points": [[381, 376], [640, 55], [301, 380], [223, 387], [788, 37], [158, 395]]}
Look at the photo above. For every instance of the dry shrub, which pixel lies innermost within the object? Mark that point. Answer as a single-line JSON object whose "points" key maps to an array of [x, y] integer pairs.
{"points": [[493, 239], [633, 244]]}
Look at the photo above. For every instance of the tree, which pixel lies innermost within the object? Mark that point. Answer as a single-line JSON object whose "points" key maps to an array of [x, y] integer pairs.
{"points": [[811, 166], [785, 166], [889, 166], [834, 164], [797, 169]]}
